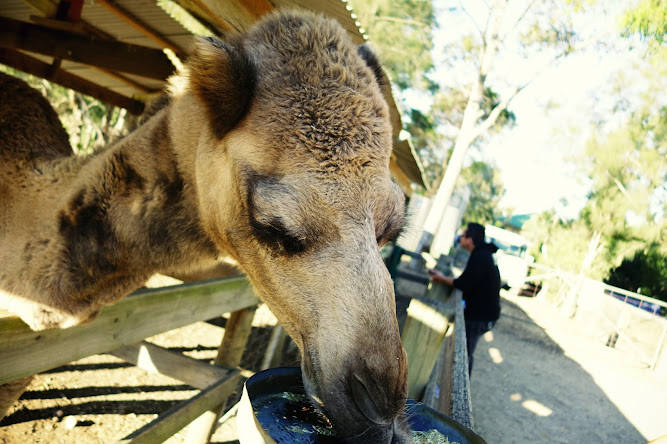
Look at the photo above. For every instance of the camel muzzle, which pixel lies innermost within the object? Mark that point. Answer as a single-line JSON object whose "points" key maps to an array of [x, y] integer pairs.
{"points": [[365, 399]]}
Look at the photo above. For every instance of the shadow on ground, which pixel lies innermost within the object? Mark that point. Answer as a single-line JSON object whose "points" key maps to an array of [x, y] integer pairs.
{"points": [[110, 398], [526, 390]]}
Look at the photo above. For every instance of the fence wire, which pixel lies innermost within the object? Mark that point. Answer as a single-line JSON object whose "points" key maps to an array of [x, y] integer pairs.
{"points": [[627, 321]]}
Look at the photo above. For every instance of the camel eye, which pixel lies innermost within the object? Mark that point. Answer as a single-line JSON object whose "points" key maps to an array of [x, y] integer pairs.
{"points": [[276, 237]]}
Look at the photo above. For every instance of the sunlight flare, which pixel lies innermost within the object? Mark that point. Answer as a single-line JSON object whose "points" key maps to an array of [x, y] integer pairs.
{"points": [[496, 357], [536, 407]]}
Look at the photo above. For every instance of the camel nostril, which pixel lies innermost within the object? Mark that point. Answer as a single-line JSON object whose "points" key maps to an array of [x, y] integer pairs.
{"points": [[362, 398]]}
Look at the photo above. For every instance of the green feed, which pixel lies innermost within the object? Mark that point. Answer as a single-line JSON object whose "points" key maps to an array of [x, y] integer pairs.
{"points": [[431, 437]]}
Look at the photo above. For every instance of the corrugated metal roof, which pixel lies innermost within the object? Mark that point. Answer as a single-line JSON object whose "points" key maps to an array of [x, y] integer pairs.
{"points": [[222, 15]]}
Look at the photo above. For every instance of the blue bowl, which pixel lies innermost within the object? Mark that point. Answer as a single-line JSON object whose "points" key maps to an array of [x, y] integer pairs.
{"points": [[284, 412]]}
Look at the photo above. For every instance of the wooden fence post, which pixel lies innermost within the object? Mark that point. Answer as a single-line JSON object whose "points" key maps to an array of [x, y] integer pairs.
{"points": [[237, 331], [423, 334]]}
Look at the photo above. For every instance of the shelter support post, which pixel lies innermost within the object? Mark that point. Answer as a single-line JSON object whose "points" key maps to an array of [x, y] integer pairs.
{"points": [[237, 331]]}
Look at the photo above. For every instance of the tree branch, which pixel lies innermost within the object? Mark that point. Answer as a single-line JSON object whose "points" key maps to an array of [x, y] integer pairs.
{"points": [[495, 113], [521, 17], [486, 26], [619, 185], [404, 21], [472, 19]]}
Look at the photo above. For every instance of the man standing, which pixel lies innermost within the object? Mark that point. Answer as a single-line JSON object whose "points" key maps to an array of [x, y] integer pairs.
{"points": [[480, 284]]}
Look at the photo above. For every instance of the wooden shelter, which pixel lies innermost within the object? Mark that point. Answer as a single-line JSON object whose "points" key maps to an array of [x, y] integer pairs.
{"points": [[122, 51]]}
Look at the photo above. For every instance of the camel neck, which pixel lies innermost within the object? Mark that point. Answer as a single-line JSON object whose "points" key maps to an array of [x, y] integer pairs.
{"points": [[133, 205]]}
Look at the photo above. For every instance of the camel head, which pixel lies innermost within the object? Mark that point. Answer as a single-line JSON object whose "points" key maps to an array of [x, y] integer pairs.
{"points": [[292, 177]]}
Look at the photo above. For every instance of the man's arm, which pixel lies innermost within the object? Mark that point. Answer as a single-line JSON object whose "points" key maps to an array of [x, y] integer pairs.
{"points": [[440, 278], [471, 275]]}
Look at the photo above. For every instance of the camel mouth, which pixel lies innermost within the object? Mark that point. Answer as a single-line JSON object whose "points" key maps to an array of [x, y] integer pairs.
{"points": [[279, 405], [358, 411]]}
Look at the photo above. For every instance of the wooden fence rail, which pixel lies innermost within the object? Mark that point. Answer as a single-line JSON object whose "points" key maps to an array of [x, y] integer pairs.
{"points": [[143, 314], [120, 330]]}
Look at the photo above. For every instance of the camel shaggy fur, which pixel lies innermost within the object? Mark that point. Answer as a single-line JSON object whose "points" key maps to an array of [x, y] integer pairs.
{"points": [[274, 153]]}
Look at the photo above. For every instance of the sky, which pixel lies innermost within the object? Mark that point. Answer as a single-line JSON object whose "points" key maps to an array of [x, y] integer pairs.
{"points": [[535, 157]]}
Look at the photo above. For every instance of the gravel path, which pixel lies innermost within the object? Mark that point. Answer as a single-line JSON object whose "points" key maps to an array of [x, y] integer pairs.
{"points": [[542, 378]]}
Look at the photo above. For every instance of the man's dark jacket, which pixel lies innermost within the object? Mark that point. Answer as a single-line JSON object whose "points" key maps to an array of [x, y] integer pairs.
{"points": [[480, 284]]}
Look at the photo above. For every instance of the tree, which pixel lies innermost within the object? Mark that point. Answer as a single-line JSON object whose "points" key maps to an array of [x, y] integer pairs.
{"points": [[644, 273], [562, 244], [628, 169], [486, 190], [626, 160], [401, 31], [541, 26], [648, 19]]}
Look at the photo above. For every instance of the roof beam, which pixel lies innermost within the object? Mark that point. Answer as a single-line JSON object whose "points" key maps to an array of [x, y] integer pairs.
{"points": [[112, 55], [54, 74], [203, 12], [46, 7], [140, 26], [400, 177], [85, 29]]}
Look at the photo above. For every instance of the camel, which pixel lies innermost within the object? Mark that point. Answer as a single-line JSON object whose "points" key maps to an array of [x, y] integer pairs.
{"points": [[273, 151]]}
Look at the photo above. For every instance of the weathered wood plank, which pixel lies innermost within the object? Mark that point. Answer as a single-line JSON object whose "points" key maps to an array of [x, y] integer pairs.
{"points": [[133, 59], [146, 313], [31, 65], [438, 392], [274, 348], [423, 333], [174, 419], [461, 401], [237, 332], [156, 359]]}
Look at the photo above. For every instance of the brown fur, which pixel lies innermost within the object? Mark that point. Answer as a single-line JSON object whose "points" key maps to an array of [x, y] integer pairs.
{"points": [[274, 153]]}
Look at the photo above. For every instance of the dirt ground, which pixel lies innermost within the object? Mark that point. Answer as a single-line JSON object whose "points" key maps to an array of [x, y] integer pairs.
{"points": [[102, 399], [538, 377]]}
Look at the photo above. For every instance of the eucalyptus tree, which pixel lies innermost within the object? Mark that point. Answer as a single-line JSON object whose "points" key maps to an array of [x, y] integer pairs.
{"points": [[486, 190], [544, 30], [402, 33]]}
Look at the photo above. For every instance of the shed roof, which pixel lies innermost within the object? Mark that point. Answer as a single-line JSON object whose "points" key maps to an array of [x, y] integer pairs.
{"points": [[121, 51]]}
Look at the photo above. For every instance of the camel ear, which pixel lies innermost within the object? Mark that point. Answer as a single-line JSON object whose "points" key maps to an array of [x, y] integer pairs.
{"points": [[366, 53], [222, 76]]}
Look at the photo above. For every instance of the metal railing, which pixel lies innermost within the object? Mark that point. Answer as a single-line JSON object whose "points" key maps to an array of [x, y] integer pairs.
{"points": [[628, 321]]}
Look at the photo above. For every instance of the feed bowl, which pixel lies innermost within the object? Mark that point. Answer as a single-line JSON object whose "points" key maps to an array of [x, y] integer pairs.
{"points": [[274, 408]]}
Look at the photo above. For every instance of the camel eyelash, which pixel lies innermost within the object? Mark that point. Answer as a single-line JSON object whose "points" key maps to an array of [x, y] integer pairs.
{"points": [[275, 236]]}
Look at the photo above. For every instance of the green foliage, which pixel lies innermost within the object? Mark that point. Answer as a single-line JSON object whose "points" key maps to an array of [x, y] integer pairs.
{"points": [[561, 244], [422, 128], [486, 190], [491, 99], [88, 121], [551, 25], [450, 103], [645, 273], [401, 31], [648, 19], [628, 168], [627, 204]]}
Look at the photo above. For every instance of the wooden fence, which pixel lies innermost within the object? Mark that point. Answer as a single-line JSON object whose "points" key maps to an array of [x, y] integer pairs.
{"points": [[434, 338], [120, 330]]}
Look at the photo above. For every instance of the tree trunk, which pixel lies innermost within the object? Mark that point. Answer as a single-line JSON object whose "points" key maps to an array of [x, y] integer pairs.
{"points": [[467, 131]]}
